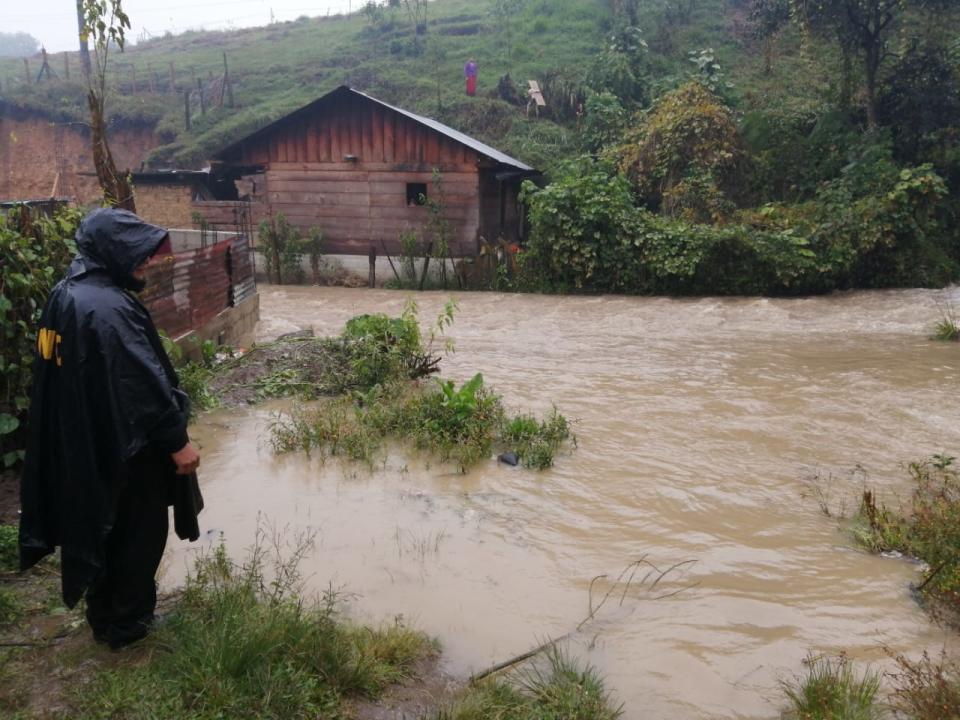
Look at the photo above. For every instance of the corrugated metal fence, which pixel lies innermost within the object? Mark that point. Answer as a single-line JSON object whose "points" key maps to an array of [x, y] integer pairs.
{"points": [[188, 289]]}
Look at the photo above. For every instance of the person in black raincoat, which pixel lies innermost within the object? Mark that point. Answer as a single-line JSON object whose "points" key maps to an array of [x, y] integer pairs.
{"points": [[107, 447]]}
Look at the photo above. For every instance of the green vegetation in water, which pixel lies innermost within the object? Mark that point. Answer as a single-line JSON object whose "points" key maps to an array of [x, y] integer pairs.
{"points": [[947, 328], [378, 370], [558, 690], [241, 642], [462, 424], [928, 529], [831, 690]]}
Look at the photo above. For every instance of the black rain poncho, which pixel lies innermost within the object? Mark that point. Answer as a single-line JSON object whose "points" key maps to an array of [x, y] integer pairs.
{"points": [[103, 390]]}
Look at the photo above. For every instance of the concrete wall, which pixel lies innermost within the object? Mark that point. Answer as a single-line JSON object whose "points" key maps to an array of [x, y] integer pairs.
{"points": [[234, 326]]}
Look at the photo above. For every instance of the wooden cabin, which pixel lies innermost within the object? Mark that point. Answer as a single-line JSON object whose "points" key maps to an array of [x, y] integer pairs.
{"points": [[365, 172]]}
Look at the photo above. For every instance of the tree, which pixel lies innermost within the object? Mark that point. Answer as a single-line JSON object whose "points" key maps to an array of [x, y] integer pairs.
{"points": [[18, 44], [83, 37], [417, 12], [105, 21], [767, 20], [861, 27]]}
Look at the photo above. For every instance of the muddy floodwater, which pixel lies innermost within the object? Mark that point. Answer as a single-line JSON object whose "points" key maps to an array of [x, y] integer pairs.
{"points": [[699, 425]]}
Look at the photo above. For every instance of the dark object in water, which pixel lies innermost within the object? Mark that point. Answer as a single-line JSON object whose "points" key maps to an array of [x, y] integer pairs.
{"points": [[510, 458]]}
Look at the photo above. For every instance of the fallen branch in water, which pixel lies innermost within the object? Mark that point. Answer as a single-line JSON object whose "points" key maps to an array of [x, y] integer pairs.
{"points": [[592, 611]]}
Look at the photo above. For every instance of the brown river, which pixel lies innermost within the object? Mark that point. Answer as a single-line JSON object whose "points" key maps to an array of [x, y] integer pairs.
{"points": [[700, 423]]}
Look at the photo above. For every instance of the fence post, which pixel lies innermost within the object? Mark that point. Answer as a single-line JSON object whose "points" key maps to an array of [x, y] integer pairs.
{"points": [[26, 70], [372, 258], [226, 81]]}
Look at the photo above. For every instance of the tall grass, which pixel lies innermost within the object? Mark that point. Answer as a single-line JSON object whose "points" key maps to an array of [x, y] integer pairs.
{"points": [[559, 689], [242, 642], [832, 691], [947, 328], [460, 425]]}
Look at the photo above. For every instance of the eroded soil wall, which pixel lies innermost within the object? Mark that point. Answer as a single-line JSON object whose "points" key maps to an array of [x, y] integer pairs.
{"points": [[40, 158]]}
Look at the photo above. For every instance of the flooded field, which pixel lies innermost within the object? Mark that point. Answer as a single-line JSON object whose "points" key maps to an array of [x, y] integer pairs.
{"points": [[699, 423]]}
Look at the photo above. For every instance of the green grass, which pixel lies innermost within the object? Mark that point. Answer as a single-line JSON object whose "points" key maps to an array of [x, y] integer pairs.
{"points": [[927, 528], [831, 690], [9, 548], [10, 606], [947, 328], [460, 425], [242, 642], [557, 688], [280, 67]]}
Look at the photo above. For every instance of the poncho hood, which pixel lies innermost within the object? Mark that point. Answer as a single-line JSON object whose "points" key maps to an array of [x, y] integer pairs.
{"points": [[117, 241]]}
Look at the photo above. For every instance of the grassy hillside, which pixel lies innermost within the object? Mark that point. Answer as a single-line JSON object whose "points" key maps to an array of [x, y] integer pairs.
{"points": [[278, 68]]}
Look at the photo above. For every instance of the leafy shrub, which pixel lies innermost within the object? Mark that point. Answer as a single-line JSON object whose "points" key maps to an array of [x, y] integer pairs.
{"points": [[688, 134], [604, 121], [282, 249], [34, 253], [580, 225], [456, 423], [587, 233], [535, 441], [382, 348]]}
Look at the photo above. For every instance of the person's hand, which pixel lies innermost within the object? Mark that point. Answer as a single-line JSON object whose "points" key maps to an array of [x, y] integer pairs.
{"points": [[187, 459]]}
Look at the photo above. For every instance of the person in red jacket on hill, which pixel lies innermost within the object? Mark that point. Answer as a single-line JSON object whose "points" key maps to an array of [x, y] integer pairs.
{"points": [[470, 73]]}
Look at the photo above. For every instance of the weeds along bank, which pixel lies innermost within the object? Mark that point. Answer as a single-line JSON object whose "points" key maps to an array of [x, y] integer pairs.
{"points": [[371, 383], [926, 527]]}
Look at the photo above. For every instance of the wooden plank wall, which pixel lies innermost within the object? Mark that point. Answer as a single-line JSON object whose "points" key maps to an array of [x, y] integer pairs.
{"points": [[361, 202]]}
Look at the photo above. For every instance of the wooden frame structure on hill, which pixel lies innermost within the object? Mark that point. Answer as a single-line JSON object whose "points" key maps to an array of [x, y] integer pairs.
{"points": [[357, 168]]}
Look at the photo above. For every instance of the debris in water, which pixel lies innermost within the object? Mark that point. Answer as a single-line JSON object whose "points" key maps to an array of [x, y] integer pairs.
{"points": [[510, 458]]}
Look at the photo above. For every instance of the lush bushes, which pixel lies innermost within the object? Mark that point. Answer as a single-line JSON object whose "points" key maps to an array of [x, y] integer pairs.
{"points": [[876, 225], [34, 253], [587, 233]]}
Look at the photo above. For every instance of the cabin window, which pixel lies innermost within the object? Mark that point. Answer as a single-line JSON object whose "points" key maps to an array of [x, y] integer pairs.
{"points": [[416, 194]]}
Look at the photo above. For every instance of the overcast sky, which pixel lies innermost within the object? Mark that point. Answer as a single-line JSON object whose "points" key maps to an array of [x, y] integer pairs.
{"points": [[54, 22]]}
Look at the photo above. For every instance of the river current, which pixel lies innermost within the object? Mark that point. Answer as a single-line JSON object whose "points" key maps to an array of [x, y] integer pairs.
{"points": [[710, 430]]}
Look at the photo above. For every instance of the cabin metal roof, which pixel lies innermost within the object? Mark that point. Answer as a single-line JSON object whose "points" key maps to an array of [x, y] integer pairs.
{"points": [[472, 143]]}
